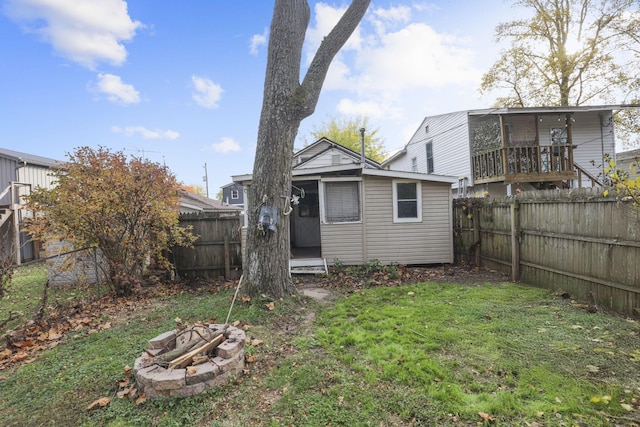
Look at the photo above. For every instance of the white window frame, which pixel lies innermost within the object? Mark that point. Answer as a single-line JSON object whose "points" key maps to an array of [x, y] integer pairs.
{"points": [[418, 184], [414, 164], [235, 194], [430, 167], [321, 195]]}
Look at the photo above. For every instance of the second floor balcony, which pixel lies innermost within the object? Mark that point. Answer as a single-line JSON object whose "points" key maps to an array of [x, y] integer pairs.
{"points": [[525, 163]]}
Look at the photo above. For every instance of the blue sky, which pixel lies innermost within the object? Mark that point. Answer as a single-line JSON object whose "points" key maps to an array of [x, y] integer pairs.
{"points": [[180, 82]]}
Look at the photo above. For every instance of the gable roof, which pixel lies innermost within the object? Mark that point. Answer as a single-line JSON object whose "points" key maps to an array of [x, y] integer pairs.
{"points": [[355, 169], [332, 145], [29, 158]]}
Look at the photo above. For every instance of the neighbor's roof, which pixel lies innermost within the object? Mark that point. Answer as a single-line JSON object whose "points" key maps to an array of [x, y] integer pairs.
{"points": [[551, 110], [626, 155], [196, 201], [29, 158]]}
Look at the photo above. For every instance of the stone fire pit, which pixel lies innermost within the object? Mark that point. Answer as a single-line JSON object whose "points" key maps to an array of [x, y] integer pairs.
{"points": [[224, 362]]}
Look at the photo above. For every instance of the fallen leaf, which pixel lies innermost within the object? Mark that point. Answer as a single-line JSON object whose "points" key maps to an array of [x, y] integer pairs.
{"points": [[592, 368], [340, 400], [127, 371], [123, 383], [256, 342], [271, 306], [192, 370], [411, 293], [246, 299], [626, 407], [102, 402], [5, 353], [122, 393], [486, 417], [141, 399], [250, 359], [236, 323], [106, 326]]}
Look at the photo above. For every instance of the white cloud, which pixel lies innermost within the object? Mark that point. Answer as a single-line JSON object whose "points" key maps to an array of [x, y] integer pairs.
{"points": [[117, 91], [258, 40], [85, 31], [146, 133], [206, 93], [226, 145], [395, 62]]}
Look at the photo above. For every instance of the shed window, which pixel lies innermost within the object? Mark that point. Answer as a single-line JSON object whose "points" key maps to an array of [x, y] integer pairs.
{"points": [[407, 201], [342, 201], [234, 194], [430, 157]]}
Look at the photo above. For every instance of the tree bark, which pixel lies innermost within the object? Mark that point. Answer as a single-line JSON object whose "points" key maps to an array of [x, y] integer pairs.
{"points": [[286, 102]]}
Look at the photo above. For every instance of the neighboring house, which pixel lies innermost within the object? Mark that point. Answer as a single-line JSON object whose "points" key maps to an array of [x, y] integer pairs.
{"points": [[352, 212], [626, 159], [503, 149], [232, 194], [195, 203], [19, 174]]}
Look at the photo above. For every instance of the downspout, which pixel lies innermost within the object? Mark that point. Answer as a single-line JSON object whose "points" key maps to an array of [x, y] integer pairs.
{"points": [[363, 193], [602, 140], [363, 159]]}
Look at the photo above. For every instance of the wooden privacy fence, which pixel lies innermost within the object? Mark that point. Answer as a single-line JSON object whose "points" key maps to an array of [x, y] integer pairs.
{"points": [[216, 253], [574, 241]]}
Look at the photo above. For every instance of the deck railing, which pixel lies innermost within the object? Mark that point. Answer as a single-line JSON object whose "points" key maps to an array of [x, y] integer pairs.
{"points": [[533, 163]]}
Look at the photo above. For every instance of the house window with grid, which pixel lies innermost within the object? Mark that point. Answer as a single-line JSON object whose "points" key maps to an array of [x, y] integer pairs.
{"points": [[234, 195], [407, 201], [342, 201], [414, 164], [559, 136], [430, 157]]}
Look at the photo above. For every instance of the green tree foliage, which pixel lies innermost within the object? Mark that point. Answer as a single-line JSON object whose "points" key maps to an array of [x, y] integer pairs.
{"points": [[346, 132], [128, 208], [570, 52]]}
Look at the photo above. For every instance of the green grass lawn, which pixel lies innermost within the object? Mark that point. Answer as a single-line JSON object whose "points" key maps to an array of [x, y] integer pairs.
{"points": [[428, 354]]}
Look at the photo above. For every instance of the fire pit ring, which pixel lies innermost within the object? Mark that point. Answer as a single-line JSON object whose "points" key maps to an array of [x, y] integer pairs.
{"points": [[157, 381]]}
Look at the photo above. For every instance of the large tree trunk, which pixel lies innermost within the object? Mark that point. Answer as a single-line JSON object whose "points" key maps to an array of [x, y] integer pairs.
{"points": [[285, 104]]}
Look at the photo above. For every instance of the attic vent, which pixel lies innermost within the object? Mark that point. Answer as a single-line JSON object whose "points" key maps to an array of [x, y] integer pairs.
{"points": [[335, 159], [302, 159], [426, 129]]}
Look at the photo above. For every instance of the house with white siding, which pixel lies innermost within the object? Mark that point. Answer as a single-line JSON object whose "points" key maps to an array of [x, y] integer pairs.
{"points": [[501, 150], [348, 209], [19, 174]]}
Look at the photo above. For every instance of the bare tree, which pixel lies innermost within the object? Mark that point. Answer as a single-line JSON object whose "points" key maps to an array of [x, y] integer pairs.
{"points": [[570, 52], [285, 104]]}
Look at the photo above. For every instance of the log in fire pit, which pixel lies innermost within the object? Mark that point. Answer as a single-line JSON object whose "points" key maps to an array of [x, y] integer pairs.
{"points": [[187, 362]]}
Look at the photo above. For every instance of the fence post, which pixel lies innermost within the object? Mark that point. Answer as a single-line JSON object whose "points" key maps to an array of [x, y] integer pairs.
{"points": [[515, 241], [227, 258]]}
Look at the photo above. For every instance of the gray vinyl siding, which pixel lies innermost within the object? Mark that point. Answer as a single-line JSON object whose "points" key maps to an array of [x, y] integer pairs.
{"points": [[326, 159], [450, 136], [37, 176], [342, 242], [426, 242], [589, 142], [7, 174]]}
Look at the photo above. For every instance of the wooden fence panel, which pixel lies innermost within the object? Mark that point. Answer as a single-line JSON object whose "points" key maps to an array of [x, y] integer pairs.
{"points": [[577, 242], [217, 252]]}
